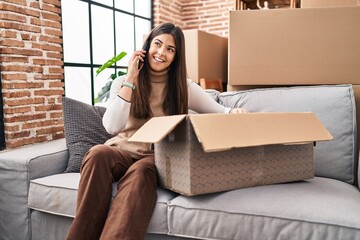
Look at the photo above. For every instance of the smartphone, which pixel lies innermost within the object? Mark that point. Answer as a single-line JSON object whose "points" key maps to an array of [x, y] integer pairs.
{"points": [[145, 47]]}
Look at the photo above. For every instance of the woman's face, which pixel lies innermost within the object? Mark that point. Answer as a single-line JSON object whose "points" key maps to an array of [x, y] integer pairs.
{"points": [[161, 52]]}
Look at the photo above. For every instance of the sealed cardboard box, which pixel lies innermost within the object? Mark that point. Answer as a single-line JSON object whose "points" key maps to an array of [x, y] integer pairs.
{"points": [[328, 3], [206, 55], [205, 153], [295, 46]]}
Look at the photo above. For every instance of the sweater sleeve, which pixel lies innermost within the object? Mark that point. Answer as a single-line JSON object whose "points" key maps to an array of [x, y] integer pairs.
{"points": [[201, 102], [117, 111]]}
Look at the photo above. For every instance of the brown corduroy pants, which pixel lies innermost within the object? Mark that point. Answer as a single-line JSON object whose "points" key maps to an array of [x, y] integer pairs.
{"points": [[132, 207]]}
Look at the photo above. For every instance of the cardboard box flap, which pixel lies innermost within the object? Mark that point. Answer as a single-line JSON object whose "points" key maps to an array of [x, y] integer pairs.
{"points": [[156, 129], [218, 132]]}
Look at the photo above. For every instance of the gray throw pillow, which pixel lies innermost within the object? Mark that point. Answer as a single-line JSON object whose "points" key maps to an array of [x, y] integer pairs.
{"points": [[83, 129]]}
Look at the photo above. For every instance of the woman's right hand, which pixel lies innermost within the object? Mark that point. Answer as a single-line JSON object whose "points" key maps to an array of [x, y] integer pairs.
{"points": [[132, 74], [136, 60]]}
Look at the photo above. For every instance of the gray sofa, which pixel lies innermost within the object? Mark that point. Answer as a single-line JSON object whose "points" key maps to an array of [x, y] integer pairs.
{"points": [[38, 194]]}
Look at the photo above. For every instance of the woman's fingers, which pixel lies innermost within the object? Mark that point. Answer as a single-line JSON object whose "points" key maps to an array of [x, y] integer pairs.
{"points": [[239, 110]]}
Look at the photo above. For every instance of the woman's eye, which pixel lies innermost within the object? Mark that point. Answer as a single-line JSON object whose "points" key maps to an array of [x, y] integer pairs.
{"points": [[171, 50]]}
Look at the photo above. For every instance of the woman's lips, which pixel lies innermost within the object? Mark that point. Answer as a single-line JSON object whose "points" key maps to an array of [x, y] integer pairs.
{"points": [[159, 59]]}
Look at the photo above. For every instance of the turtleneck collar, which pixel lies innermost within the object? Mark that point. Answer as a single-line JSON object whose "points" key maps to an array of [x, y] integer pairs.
{"points": [[158, 77]]}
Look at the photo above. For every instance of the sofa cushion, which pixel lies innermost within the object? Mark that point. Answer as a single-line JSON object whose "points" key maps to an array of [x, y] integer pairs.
{"points": [[48, 226], [214, 94], [83, 129], [57, 195], [333, 104], [320, 208]]}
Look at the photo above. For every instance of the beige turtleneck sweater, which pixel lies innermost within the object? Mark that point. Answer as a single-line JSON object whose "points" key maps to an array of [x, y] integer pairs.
{"points": [[118, 121]]}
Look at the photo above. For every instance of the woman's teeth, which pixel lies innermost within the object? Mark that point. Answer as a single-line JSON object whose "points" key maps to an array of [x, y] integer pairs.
{"points": [[158, 59]]}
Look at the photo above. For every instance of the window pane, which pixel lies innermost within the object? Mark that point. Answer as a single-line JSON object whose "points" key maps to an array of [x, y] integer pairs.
{"points": [[124, 36], [106, 2], [75, 33], [143, 28], [102, 34], [78, 83], [143, 8], [126, 5]]}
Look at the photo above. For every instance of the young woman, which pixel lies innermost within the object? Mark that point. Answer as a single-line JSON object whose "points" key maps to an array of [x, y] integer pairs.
{"points": [[155, 85]]}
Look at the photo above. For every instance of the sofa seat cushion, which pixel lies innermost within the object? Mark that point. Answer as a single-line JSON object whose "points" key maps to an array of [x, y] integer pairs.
{"points": [[334, 105], [320, 208], [57, 195]]}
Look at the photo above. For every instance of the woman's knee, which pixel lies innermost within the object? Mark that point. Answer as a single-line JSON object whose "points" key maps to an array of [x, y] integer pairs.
{"points": [[100, 149], [97, 155]]}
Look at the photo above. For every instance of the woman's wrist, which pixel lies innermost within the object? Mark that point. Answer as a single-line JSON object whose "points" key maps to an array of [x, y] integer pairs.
{"points": [[128, 84], [130, 79], [126, 90]]}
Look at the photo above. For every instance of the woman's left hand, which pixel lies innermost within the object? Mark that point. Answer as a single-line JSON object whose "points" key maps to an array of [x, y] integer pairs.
{"points": [[238, 110]]}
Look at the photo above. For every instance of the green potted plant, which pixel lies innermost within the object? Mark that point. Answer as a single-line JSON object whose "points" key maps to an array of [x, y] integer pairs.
{"points": [[104, 93]]}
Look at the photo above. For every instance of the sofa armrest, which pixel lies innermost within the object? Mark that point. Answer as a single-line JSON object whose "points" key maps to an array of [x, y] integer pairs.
{"points": [[37, 160], [17, 168]]}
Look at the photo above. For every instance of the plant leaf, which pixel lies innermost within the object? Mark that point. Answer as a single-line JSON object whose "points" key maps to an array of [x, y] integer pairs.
{"points": [[110, 62], [113, 76], [104, 93], [121, 73]]}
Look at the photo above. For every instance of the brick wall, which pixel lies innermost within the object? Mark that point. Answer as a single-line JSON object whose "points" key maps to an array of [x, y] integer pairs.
{"points": [[167, 11], [31, 71], [208, 15]]}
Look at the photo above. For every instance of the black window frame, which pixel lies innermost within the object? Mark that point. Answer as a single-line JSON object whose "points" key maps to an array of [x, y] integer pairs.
{"points": [[93, 66]]}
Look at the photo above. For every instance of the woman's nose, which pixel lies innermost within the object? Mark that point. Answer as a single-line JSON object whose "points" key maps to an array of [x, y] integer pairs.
{"points": [[161, 52]]}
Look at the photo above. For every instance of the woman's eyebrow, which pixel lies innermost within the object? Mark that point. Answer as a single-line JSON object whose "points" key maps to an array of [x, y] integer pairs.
{"points": [[163, 43]]}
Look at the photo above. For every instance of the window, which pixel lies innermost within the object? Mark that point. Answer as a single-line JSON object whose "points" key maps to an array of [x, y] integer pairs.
{"points": [[94, 32]]}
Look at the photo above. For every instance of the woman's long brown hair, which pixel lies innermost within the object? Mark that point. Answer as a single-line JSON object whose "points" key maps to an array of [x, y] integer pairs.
{"points": [[176, 91]]}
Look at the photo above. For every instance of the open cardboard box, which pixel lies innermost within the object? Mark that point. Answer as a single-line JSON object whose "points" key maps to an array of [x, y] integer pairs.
{"points": [[205, 153]]}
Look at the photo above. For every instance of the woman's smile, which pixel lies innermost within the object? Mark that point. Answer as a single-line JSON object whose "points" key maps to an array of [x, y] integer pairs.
{"points": [[159, 60]]}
